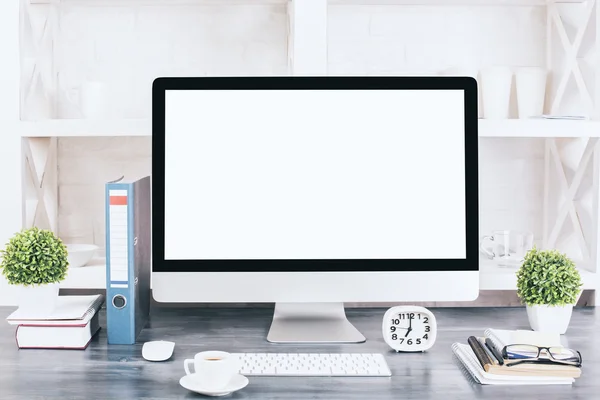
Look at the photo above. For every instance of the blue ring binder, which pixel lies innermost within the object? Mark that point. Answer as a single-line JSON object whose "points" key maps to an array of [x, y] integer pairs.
{"points": [[128, 252]]}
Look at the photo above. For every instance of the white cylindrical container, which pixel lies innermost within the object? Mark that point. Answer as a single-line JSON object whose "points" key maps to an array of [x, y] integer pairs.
{"points": [[531, 91], [94, 99], [496, 84]]}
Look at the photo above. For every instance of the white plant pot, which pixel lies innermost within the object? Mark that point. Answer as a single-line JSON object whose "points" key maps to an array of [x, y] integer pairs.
{"points": [[39, 299], [549, 319]]}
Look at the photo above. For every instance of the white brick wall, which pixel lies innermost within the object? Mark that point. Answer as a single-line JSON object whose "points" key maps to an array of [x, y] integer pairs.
{"points": [[420, 39], [129, 46]]}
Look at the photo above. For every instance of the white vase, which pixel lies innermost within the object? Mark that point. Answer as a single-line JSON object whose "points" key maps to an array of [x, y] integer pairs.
{"points": [[39, 299], [549, 319]]}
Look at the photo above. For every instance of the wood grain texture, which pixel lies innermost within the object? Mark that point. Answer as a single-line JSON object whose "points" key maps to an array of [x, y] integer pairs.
{"points": [[119, 372]]}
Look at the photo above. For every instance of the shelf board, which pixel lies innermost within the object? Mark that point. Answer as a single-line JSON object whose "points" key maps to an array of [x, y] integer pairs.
{"points": [[91, 276], [331, 2], [537, 127], [493, 277], [85, 127], [165, 2], [524, 3]]}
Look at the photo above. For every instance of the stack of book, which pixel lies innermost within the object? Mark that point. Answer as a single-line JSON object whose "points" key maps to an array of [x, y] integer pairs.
{"points": [[481, 358], [72, 325]]}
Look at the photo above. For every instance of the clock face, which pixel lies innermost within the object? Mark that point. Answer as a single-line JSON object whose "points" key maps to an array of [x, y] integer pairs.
{"points": [[409, 328]]}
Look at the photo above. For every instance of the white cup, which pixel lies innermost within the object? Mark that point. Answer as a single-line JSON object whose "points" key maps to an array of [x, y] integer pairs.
{"points": [[531, 91], [92, 99], [213, 369], [496, 84]]}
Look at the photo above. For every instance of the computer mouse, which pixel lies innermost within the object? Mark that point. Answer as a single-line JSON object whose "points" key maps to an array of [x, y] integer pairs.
{"points": [[158, 350]]}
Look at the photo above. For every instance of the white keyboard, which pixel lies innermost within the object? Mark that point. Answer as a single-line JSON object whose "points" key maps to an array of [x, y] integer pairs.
{"points": [[313, 364]]}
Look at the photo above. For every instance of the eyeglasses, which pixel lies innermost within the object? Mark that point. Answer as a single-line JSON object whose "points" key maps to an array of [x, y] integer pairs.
{"points": [[525, 353]]}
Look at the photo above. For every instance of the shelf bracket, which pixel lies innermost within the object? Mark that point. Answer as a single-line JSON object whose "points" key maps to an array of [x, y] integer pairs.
{"points": [[40, 183], [570, 191], [572, 50], [38, 32]]}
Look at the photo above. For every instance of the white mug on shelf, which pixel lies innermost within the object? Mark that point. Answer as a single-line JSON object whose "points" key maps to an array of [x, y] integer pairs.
{"points": [[92, 100], [531, 91], [507, 248], [496, 83], [213, 369]]}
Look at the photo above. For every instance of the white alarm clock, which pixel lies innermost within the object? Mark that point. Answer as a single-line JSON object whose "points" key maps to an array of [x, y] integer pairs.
{"points": [[409, 328]]}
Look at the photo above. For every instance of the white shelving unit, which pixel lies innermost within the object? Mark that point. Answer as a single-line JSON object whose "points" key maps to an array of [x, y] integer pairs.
{"points": [[493, 277], [92, 276], [504, 278], [307, 55], [538, 128]]}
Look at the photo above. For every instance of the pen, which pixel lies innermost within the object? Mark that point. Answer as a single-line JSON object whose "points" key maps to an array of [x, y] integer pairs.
{"points": [[490, 345], [479, 351], [487, 350]]}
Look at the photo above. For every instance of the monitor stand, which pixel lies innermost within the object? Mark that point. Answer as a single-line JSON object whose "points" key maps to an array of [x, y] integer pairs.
{"points": [[312, 323]]}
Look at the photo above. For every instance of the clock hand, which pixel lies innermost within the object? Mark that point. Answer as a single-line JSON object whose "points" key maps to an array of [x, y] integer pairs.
{"points": [[409, 327]]}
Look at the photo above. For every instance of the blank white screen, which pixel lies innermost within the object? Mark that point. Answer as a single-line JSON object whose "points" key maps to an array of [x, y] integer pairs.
{"points": [[314, 174]]}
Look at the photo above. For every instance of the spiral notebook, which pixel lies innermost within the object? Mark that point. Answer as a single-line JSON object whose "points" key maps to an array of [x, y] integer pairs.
{"points": [[70, 310], [502, 337], [469, 363]]}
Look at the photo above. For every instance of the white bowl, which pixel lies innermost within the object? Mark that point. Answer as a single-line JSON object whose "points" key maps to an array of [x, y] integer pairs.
{"points": [[80, 254]]}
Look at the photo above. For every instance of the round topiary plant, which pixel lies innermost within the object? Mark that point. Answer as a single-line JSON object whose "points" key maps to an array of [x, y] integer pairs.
{"points": [[548, 277], [34, 257]]}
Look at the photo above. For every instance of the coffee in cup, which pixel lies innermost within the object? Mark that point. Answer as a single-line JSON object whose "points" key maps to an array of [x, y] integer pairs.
{"points": [[213, 369]]}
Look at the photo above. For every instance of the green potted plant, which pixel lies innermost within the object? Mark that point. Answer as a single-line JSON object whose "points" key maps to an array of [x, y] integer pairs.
{"points": [[36, 260], [549, 285]]}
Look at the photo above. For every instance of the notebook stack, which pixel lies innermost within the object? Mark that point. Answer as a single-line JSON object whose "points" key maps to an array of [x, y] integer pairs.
{"points": [[483, 359], [72, 325]]}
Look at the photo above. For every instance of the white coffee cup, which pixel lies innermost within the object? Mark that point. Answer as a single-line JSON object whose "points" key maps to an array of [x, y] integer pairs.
{"points": [[92, 99], [496, 83], [213, 369], [531, 91]]}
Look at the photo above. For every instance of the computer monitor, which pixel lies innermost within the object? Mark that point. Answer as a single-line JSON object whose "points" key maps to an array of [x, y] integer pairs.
{"points": [[309, 192]]}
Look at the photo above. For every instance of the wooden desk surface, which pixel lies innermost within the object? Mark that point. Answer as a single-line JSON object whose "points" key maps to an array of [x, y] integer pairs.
{"points": [[119, 372]]}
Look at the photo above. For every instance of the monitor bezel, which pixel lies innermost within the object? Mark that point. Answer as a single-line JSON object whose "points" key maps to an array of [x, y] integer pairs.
{"points": [[467, 84]]}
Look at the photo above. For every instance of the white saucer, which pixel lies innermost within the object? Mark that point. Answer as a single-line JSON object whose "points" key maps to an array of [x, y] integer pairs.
{"points": [[190, 383]]}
